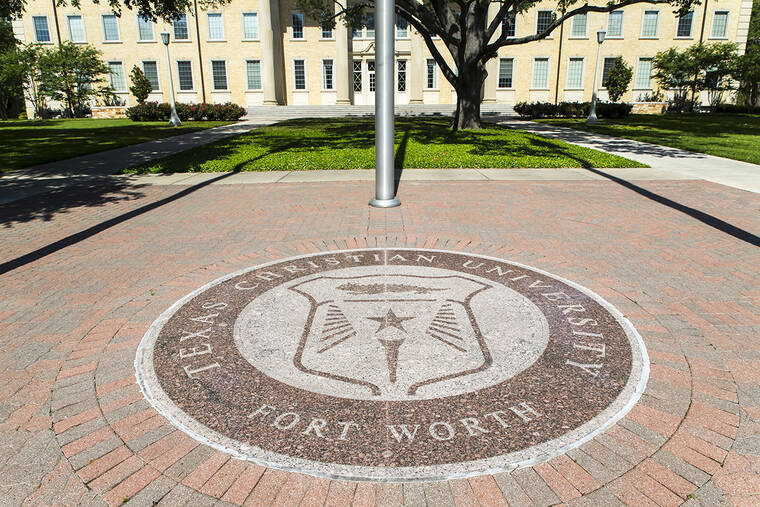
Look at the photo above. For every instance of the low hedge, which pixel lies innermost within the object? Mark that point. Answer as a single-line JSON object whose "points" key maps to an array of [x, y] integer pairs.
{"points": [[735, 108], [153, 111], [571, 109]]}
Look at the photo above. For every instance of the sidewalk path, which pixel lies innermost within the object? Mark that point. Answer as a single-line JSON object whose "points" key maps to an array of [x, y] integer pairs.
{"points": [[96, 167], [725, 171]]}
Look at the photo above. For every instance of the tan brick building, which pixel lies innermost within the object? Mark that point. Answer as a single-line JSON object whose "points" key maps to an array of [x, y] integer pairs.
{"points": [[259, 52]]}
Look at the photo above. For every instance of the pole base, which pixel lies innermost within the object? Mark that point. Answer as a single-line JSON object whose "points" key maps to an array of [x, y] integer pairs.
{"points": [[591, 119], [385, 203]]}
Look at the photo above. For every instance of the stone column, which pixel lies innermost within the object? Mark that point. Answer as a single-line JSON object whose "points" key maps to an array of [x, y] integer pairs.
{"points": [[416, 72], [268, 52], [342, 63]]}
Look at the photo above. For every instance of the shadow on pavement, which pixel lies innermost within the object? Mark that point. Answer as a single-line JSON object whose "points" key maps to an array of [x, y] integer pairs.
{"points": [[703, 217], [98, 228]]}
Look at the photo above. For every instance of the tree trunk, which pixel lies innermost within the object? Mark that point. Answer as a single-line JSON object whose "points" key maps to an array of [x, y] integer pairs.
{"points": [[468, 99]]}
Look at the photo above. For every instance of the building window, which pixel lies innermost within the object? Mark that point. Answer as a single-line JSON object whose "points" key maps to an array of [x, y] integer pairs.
{"points": [[116, 70], [76, 29], [219, 74], [579, 26], [644, 74], [144, 29], [509, 26], [649, 24], [540, 73], [297, 25], [357, 75], [327, 74], [180, 28], [253, 72], [327, 31], [402, 27], [250, 26], [431, 81], [185, 74], [615, 24], [356, 32], [371, 75], [506, 66], [609, 62], [684, 24], [299, 73], [370, 25], [401, 75], [150, 69], [215, 26], [110, 28], [575, 74], [543, 20], [41, 30], [719, 25]]}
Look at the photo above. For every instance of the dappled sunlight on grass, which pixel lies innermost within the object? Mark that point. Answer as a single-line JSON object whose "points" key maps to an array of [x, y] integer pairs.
{"points": [[28, 143], [310, 144], [735, 136]]}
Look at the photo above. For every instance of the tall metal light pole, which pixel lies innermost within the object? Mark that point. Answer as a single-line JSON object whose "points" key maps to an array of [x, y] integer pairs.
{"points": [[592, 114], [174, 119], [385, 191]]}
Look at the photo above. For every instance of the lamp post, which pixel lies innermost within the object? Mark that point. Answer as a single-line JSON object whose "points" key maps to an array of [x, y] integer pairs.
{"points": [[592, 113], [174, 119], [385, 191]]}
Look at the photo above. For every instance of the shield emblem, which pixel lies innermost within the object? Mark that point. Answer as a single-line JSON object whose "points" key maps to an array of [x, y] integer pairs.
{"points": [[391, 333]]}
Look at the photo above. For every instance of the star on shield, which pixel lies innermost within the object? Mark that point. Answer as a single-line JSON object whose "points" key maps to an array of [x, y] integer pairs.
{"points": [[390, 320]]}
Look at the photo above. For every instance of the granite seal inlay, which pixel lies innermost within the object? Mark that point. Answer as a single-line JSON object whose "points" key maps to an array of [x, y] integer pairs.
{"points": [[392, 364]]}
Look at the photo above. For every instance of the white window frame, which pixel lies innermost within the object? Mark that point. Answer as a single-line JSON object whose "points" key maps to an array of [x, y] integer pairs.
{"points": [[395, 25], [332, 75], [208, 26], [261, 81], [691, 27], [152, 31], [305, 76], [600, 84], [406, 74], [226, 75], [158, 72], [47, 23], [636, 77], [435, 74], [174, 32], [322, 32], [192, 75], [622, 25], [303, 27], [68, 25], [374, 24], [548, 72], [118, 29], [583, 73], [123, 75], [537, 15], [258, 25], [503, 22], [572, 28], [712, 24], [498, 74], [656, 28]]}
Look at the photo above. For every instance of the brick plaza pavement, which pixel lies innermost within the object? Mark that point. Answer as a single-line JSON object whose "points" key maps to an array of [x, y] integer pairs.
{"points": [[679, 258]]}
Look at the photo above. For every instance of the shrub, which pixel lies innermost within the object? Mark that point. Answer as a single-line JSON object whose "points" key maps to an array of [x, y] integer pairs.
{"points": [[571, 109], [735, 108], [141, 86], [618, 79], [22, 116], [153, 111]]}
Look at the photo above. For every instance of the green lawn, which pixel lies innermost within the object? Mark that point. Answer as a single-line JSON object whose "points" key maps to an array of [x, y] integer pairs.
{"points": [[734, 136], [310, 144], [32, 142]]}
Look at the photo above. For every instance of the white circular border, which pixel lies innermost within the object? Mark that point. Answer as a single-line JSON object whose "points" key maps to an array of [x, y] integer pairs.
{"points": [[151, 389]]}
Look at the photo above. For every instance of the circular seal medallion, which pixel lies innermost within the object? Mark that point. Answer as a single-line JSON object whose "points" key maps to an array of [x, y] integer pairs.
{"points": [[392, 364]]}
